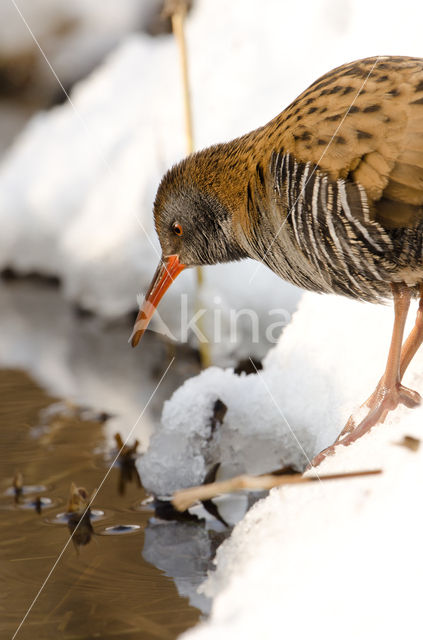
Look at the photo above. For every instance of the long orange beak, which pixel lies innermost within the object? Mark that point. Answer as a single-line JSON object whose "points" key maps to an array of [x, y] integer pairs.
{"points": [[166, 273]]}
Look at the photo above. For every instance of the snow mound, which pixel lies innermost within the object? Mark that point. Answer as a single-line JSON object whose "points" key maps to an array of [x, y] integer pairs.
{"points": [[186, 446], [344, 550], [348, 552], [326, 363]]}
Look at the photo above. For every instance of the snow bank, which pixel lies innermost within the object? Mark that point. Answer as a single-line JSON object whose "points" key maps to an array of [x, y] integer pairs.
{"points": [[342, 550], [340, 559]]}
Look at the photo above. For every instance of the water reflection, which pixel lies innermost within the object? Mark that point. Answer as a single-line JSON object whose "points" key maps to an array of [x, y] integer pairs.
{"points": [[108, 589], [183, 552], [87, 361]]}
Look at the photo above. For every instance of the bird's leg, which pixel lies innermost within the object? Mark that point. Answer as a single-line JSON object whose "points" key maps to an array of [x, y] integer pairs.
{"points": [[389, 391], [414, 340]]}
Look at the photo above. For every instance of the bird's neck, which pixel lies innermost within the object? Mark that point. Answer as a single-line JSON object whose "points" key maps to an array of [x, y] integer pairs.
{"points": [[237, 175]]}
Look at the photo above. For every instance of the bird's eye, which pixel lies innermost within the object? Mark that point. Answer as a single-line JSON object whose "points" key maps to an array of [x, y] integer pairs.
{"points": [[177, 229]]}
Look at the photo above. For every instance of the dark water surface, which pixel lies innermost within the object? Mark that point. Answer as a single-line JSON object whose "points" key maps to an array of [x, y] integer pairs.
{"points": [[105, 591], [108, 589]]}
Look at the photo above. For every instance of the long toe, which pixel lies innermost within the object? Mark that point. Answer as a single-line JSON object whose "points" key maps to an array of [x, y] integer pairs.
{"points": [[329, 451], [351, 432], [409, 397], [376, 408]]}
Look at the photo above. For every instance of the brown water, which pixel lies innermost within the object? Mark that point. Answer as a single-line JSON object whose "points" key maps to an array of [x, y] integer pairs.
{"points": [[107, 590]]}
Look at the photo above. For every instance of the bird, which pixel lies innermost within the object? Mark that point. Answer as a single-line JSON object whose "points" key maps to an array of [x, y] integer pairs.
{"points": [[328, 195]]}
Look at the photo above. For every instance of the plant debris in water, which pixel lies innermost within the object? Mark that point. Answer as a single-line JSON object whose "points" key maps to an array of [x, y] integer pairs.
{"points": [[209, 505], [18, 486], [128, 471], [51, 442], [38, 505], [165, 510], [79, 516]]}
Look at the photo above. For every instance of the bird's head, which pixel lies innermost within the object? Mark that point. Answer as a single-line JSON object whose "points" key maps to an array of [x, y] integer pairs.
{"points": [[194, 226]]}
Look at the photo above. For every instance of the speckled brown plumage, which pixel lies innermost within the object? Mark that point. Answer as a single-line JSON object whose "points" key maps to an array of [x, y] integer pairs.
{"points": [[367, 128], [380, 141]]}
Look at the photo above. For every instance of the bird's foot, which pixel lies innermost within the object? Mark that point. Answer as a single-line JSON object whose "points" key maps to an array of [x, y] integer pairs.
{"points": [[381, 402]]}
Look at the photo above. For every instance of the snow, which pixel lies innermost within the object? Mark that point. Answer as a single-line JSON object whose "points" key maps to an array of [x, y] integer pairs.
{"points": [[346, 549], [75, 36], [252, 438], [331, 560], [337, 559]]}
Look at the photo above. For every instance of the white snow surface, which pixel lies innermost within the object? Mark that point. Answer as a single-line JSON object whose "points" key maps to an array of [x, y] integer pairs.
{"points": [[309, 558], [337, 559], [74, 35]]}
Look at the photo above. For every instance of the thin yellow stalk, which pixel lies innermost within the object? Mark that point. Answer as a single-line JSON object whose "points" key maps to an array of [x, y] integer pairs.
{"points": [[177, 10], [185, 498], [178, 19]]}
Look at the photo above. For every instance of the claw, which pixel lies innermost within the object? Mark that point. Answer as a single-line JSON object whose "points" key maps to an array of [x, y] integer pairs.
{"points": [[380, 403]]}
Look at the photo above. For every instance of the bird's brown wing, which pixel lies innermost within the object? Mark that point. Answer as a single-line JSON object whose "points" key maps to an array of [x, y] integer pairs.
{"points": [[364, 121]]}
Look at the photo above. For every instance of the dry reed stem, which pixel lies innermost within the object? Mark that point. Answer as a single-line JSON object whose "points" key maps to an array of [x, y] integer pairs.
{"points": [[177, 10], [185, 498]]}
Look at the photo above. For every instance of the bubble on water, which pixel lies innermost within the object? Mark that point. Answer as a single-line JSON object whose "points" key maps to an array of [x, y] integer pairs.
{"points": [[120, 529]]}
